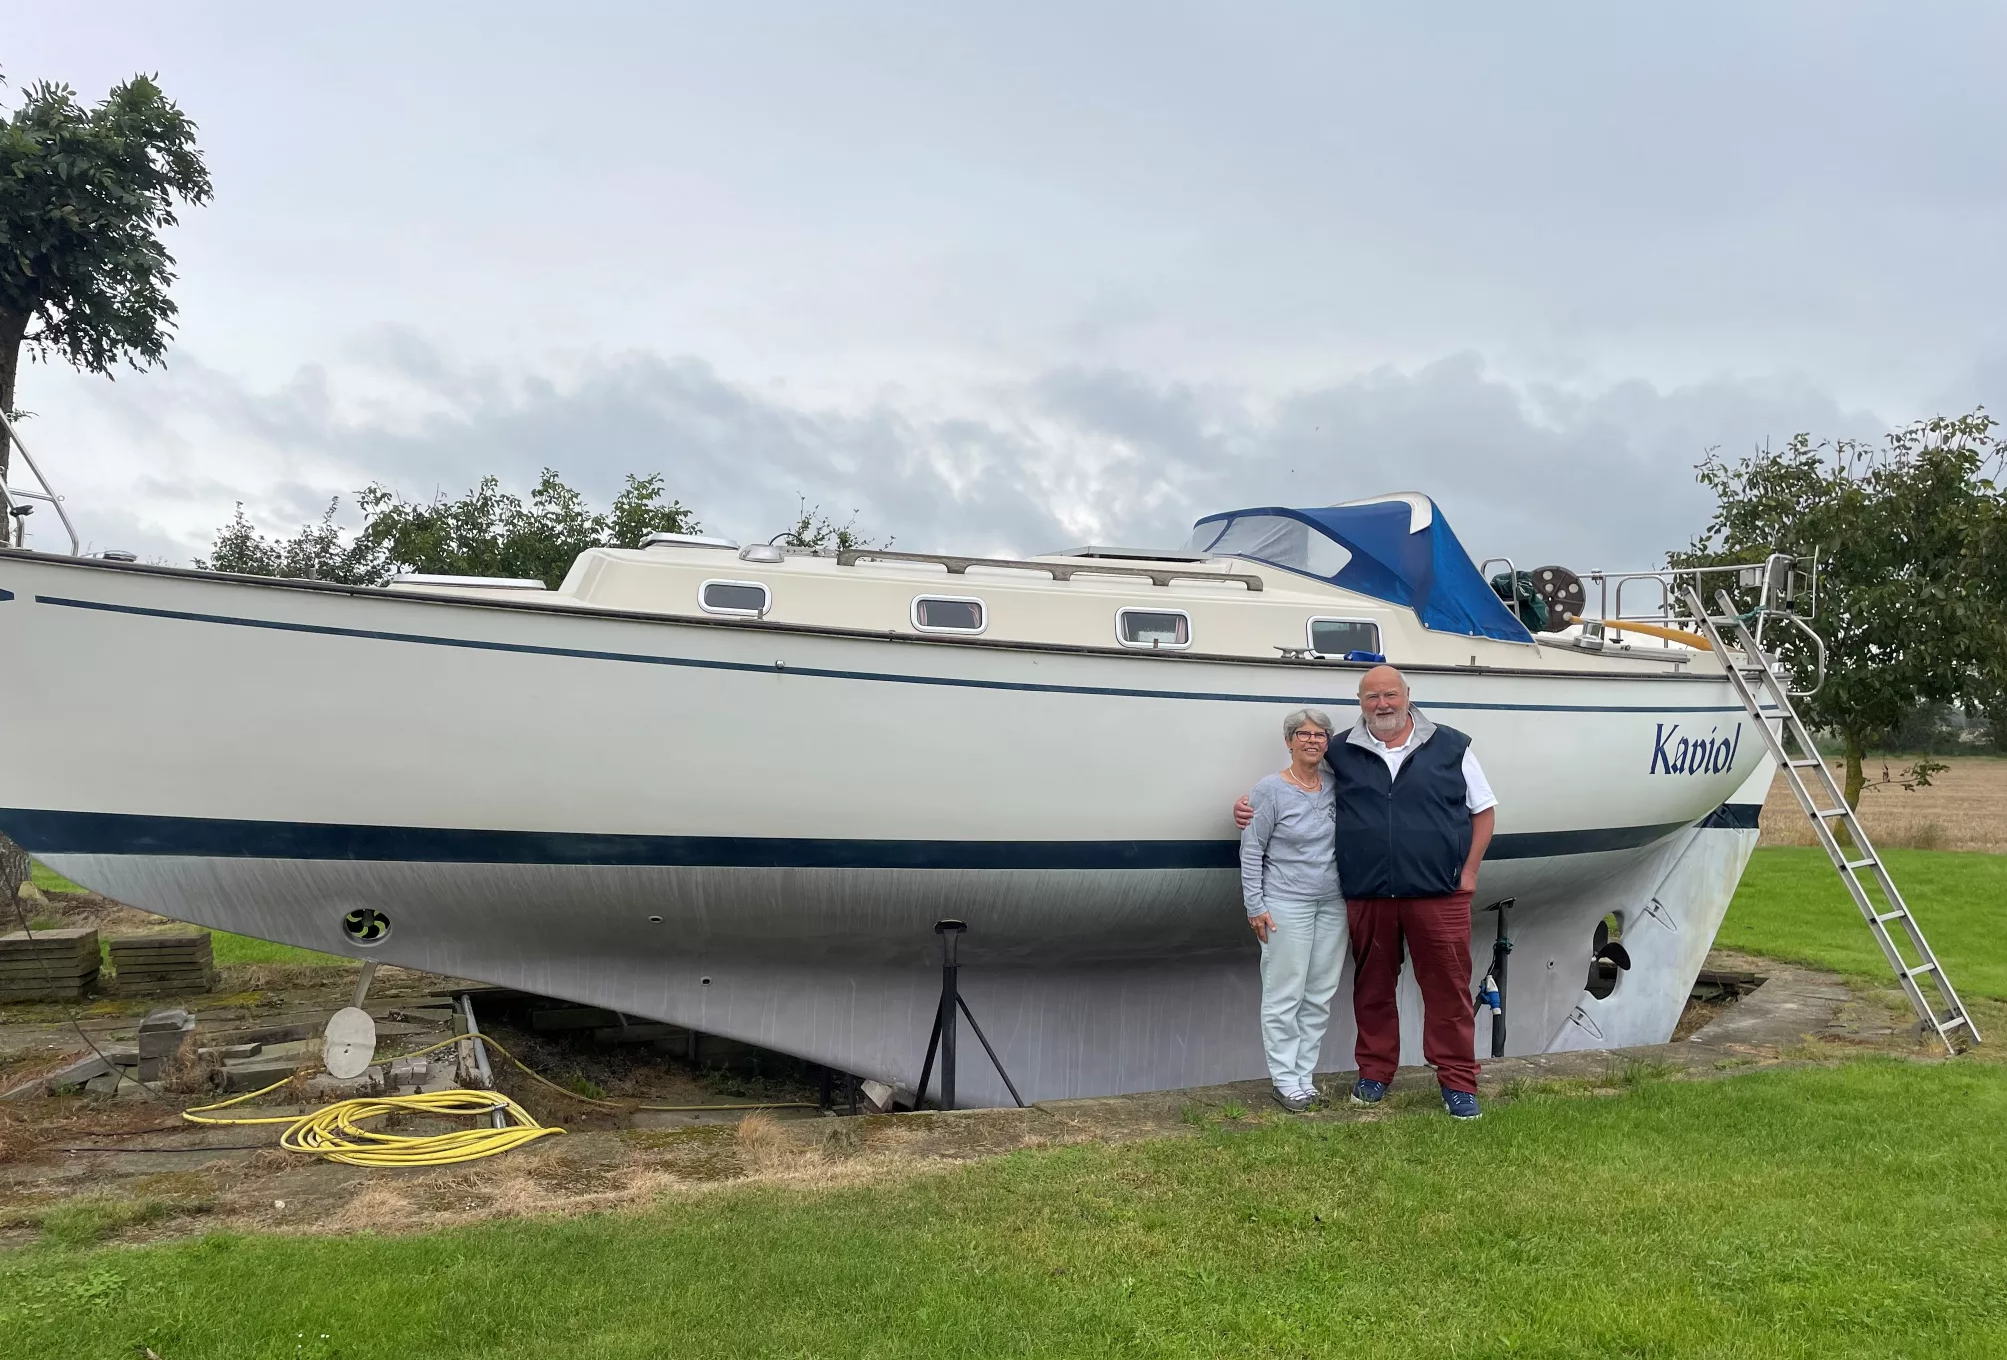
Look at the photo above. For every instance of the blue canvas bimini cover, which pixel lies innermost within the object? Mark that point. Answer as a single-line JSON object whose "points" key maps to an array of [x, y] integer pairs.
{"points": [[1394, 548]]}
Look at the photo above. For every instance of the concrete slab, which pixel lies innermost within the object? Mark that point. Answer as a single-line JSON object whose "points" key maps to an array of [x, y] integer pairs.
{"points": [[75, 1074], [1791, 1005]]}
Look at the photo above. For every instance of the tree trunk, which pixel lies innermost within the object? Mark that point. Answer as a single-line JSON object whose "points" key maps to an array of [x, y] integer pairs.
{"points": [[13, 326], [1855, 779]]}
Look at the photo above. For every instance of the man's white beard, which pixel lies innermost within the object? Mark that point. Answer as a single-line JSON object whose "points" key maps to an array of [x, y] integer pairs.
{"points": [[1385, 724]]}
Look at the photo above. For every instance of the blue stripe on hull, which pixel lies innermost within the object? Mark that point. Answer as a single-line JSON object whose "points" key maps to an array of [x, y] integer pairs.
{"points": [[45, 832], [951, 682]]}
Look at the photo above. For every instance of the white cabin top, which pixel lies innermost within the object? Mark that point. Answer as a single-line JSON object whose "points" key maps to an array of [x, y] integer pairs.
{"points": [[1258, 587]]}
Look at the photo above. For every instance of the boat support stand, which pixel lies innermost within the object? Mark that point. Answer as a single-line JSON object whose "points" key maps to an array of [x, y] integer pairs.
{"points": [[943, 1037]]}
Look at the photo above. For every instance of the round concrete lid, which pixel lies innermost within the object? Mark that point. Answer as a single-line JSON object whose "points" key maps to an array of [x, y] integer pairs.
{"points": [[349, 1042]]}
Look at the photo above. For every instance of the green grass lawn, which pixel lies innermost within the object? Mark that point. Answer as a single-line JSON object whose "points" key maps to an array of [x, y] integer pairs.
{"points": [[1850, 1211], [243, 949], [48, 880], [1792, 906], [228, 948]]}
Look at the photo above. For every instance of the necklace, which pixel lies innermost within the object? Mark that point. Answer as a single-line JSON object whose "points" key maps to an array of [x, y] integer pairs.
{"points": [[1317, 787]]}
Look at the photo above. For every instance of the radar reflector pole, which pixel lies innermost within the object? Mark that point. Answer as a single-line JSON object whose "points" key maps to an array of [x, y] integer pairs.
{"points": [[1765, 696]]}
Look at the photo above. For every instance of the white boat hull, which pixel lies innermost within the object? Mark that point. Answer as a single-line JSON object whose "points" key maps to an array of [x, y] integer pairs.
{"points": [[523, 791]]}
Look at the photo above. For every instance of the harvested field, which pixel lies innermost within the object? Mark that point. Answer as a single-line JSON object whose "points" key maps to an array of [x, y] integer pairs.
{"points": [[1965, 808]]}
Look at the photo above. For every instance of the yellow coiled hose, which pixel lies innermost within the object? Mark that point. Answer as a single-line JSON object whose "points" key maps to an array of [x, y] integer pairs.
{"points": [[334, 1131]]}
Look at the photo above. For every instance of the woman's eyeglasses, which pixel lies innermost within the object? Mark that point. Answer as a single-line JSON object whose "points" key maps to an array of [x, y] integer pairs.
{"points": [[1306, 734]]}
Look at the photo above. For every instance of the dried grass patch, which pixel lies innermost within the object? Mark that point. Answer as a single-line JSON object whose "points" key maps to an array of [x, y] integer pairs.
{"points": [[377, 1207], [482, 1192], [274, 977], [765, 1148], [1965, 808]]}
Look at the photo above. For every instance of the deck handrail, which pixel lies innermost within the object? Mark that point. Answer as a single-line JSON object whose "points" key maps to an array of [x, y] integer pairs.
{"points": [[1059, 571]]}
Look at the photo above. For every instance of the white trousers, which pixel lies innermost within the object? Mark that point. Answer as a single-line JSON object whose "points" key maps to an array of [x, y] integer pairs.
{"points": [[1301, 964]]}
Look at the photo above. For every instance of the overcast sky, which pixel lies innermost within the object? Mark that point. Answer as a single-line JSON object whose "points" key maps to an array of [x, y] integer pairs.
{"points": [[1010, 278]]}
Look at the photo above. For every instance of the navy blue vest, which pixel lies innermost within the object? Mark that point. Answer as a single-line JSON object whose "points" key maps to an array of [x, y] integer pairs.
{"points": [[1405, 836]]}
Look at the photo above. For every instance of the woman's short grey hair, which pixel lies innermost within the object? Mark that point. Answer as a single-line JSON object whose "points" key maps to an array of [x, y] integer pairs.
{"points": [[1305, 717]]}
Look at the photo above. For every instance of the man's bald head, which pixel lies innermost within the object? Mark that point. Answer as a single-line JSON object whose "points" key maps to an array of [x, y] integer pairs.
{"points": [[1382, 677], [1383, 702]]}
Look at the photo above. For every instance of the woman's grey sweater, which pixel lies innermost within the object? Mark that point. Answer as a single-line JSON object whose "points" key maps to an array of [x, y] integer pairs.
{"points": [[1289, 851]]}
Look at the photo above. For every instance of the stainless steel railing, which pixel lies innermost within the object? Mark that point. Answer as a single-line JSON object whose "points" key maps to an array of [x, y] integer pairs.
{"points": [[1511, 574], [16, 502], [1782, 591]]}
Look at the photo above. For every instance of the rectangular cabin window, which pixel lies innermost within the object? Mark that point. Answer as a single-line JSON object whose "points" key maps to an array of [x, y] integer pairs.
{"points": [[1154, 628], [949, 614], [1336, 637], [747, 599]]}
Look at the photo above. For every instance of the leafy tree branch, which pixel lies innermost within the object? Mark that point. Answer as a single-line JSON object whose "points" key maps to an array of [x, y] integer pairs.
{"points": [[486, 532], [1911, 534], [85, 193]]}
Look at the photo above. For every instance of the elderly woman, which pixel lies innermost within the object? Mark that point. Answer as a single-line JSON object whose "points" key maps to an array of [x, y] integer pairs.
{"points": [[1289, 881]]}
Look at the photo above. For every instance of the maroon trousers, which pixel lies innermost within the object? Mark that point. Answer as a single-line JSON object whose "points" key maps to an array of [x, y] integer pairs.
{"points": [[1437, 930]]}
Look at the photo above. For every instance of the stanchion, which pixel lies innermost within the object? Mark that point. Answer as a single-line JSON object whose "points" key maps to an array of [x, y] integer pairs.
{"points": [[942, 1040]]}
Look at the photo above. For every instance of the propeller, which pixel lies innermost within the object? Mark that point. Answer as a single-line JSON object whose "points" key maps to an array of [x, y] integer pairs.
{"points": [[1607, 948], [365, 925], [1607, 958]]}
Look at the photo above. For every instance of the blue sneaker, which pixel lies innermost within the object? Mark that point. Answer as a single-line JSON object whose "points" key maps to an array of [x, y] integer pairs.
{"points": [[1461, 1104], [1365, 1092]]}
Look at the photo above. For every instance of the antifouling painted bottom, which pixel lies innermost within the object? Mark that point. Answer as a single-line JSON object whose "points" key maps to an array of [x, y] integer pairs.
{"points": [[855, 986]]}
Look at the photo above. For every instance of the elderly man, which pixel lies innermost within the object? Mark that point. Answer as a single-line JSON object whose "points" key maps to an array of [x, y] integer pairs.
{"points": [[1414, 815]]}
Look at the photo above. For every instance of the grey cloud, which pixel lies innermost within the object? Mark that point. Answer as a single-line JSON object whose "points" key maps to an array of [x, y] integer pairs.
{"points": [[1590, 478], [110, 527], [811, 189]]}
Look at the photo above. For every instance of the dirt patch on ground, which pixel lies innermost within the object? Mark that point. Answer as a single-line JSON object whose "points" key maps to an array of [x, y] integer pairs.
{"points": [[1965, 808]]}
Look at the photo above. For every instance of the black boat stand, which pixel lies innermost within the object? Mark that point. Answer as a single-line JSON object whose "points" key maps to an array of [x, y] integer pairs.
{"points": [[943, 1037], [1491, 992]]}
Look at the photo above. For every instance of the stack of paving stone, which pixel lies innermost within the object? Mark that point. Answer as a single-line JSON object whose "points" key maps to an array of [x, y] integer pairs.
{"points": [[52, 965], [166, 1038], [163, 964]]}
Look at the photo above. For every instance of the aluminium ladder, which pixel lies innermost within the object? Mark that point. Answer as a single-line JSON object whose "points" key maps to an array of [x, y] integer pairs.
{"points": [[1769, 697]]}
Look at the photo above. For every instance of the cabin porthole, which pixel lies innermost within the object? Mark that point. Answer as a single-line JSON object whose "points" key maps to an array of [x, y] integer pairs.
{"points": [[741, 599], [949, 614], [1155, 629], [1342, 637], [365, 926]]}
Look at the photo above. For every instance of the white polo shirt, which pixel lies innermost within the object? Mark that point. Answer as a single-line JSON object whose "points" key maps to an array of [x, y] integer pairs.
{"points": [[1477, 794]]}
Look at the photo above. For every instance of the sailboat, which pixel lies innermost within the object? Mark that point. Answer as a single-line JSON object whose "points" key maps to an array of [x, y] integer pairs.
{"points": [[735, 787]]}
